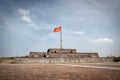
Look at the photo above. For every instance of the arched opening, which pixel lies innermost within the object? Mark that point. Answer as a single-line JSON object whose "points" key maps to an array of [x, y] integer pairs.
{"points": [[44, 55]]}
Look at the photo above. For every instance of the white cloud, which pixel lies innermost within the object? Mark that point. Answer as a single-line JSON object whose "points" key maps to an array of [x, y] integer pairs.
{"points": [[103, 40], [79, 32], [25, 15], [26, 18]]}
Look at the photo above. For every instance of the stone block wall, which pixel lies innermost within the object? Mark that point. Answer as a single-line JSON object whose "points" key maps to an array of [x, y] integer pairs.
{"points": [[62, 55], [76, 55], [89, 54], [63, 60], [37, 54]]}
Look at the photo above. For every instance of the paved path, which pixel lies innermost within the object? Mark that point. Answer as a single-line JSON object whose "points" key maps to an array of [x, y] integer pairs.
{"points": [[101, 67], [89, 66]]}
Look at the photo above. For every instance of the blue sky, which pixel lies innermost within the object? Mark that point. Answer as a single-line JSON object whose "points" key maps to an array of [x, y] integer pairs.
{"points": [[87, 25]]}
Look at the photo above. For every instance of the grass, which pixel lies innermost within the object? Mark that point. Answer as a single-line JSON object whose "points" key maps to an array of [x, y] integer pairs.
{"points": [[7, 60]]}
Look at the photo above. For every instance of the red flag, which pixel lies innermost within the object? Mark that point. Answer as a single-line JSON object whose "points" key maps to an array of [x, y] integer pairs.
{"points": [[57, 29]]}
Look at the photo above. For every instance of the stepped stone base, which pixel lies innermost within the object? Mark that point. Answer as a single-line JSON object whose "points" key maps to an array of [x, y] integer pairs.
{"points": [[63, 53]]}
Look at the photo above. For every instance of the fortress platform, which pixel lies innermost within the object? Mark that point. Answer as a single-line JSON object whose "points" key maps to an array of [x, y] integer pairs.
{"points": [[63, 53]]}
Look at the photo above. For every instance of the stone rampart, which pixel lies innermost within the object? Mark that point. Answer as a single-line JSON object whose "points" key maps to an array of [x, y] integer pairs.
{"points": [[75, 55], [62, 60]]}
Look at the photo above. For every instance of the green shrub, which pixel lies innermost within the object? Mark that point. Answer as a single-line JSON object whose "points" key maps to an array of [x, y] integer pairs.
{"points": [[116, 59], [12, 62]]}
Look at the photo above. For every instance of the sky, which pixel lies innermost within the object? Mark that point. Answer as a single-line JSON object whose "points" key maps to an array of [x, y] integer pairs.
{"points": [[87, 26]]}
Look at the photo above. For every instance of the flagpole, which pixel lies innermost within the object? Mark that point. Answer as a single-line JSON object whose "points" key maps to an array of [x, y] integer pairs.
{"points": [[61, 38]]}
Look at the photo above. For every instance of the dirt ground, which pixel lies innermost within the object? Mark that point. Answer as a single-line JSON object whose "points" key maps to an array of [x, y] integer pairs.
{"points": [[114, 65], [55, 72]]}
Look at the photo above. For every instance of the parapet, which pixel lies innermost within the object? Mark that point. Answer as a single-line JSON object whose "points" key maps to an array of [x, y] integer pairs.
{"points": [[58, 50]]}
